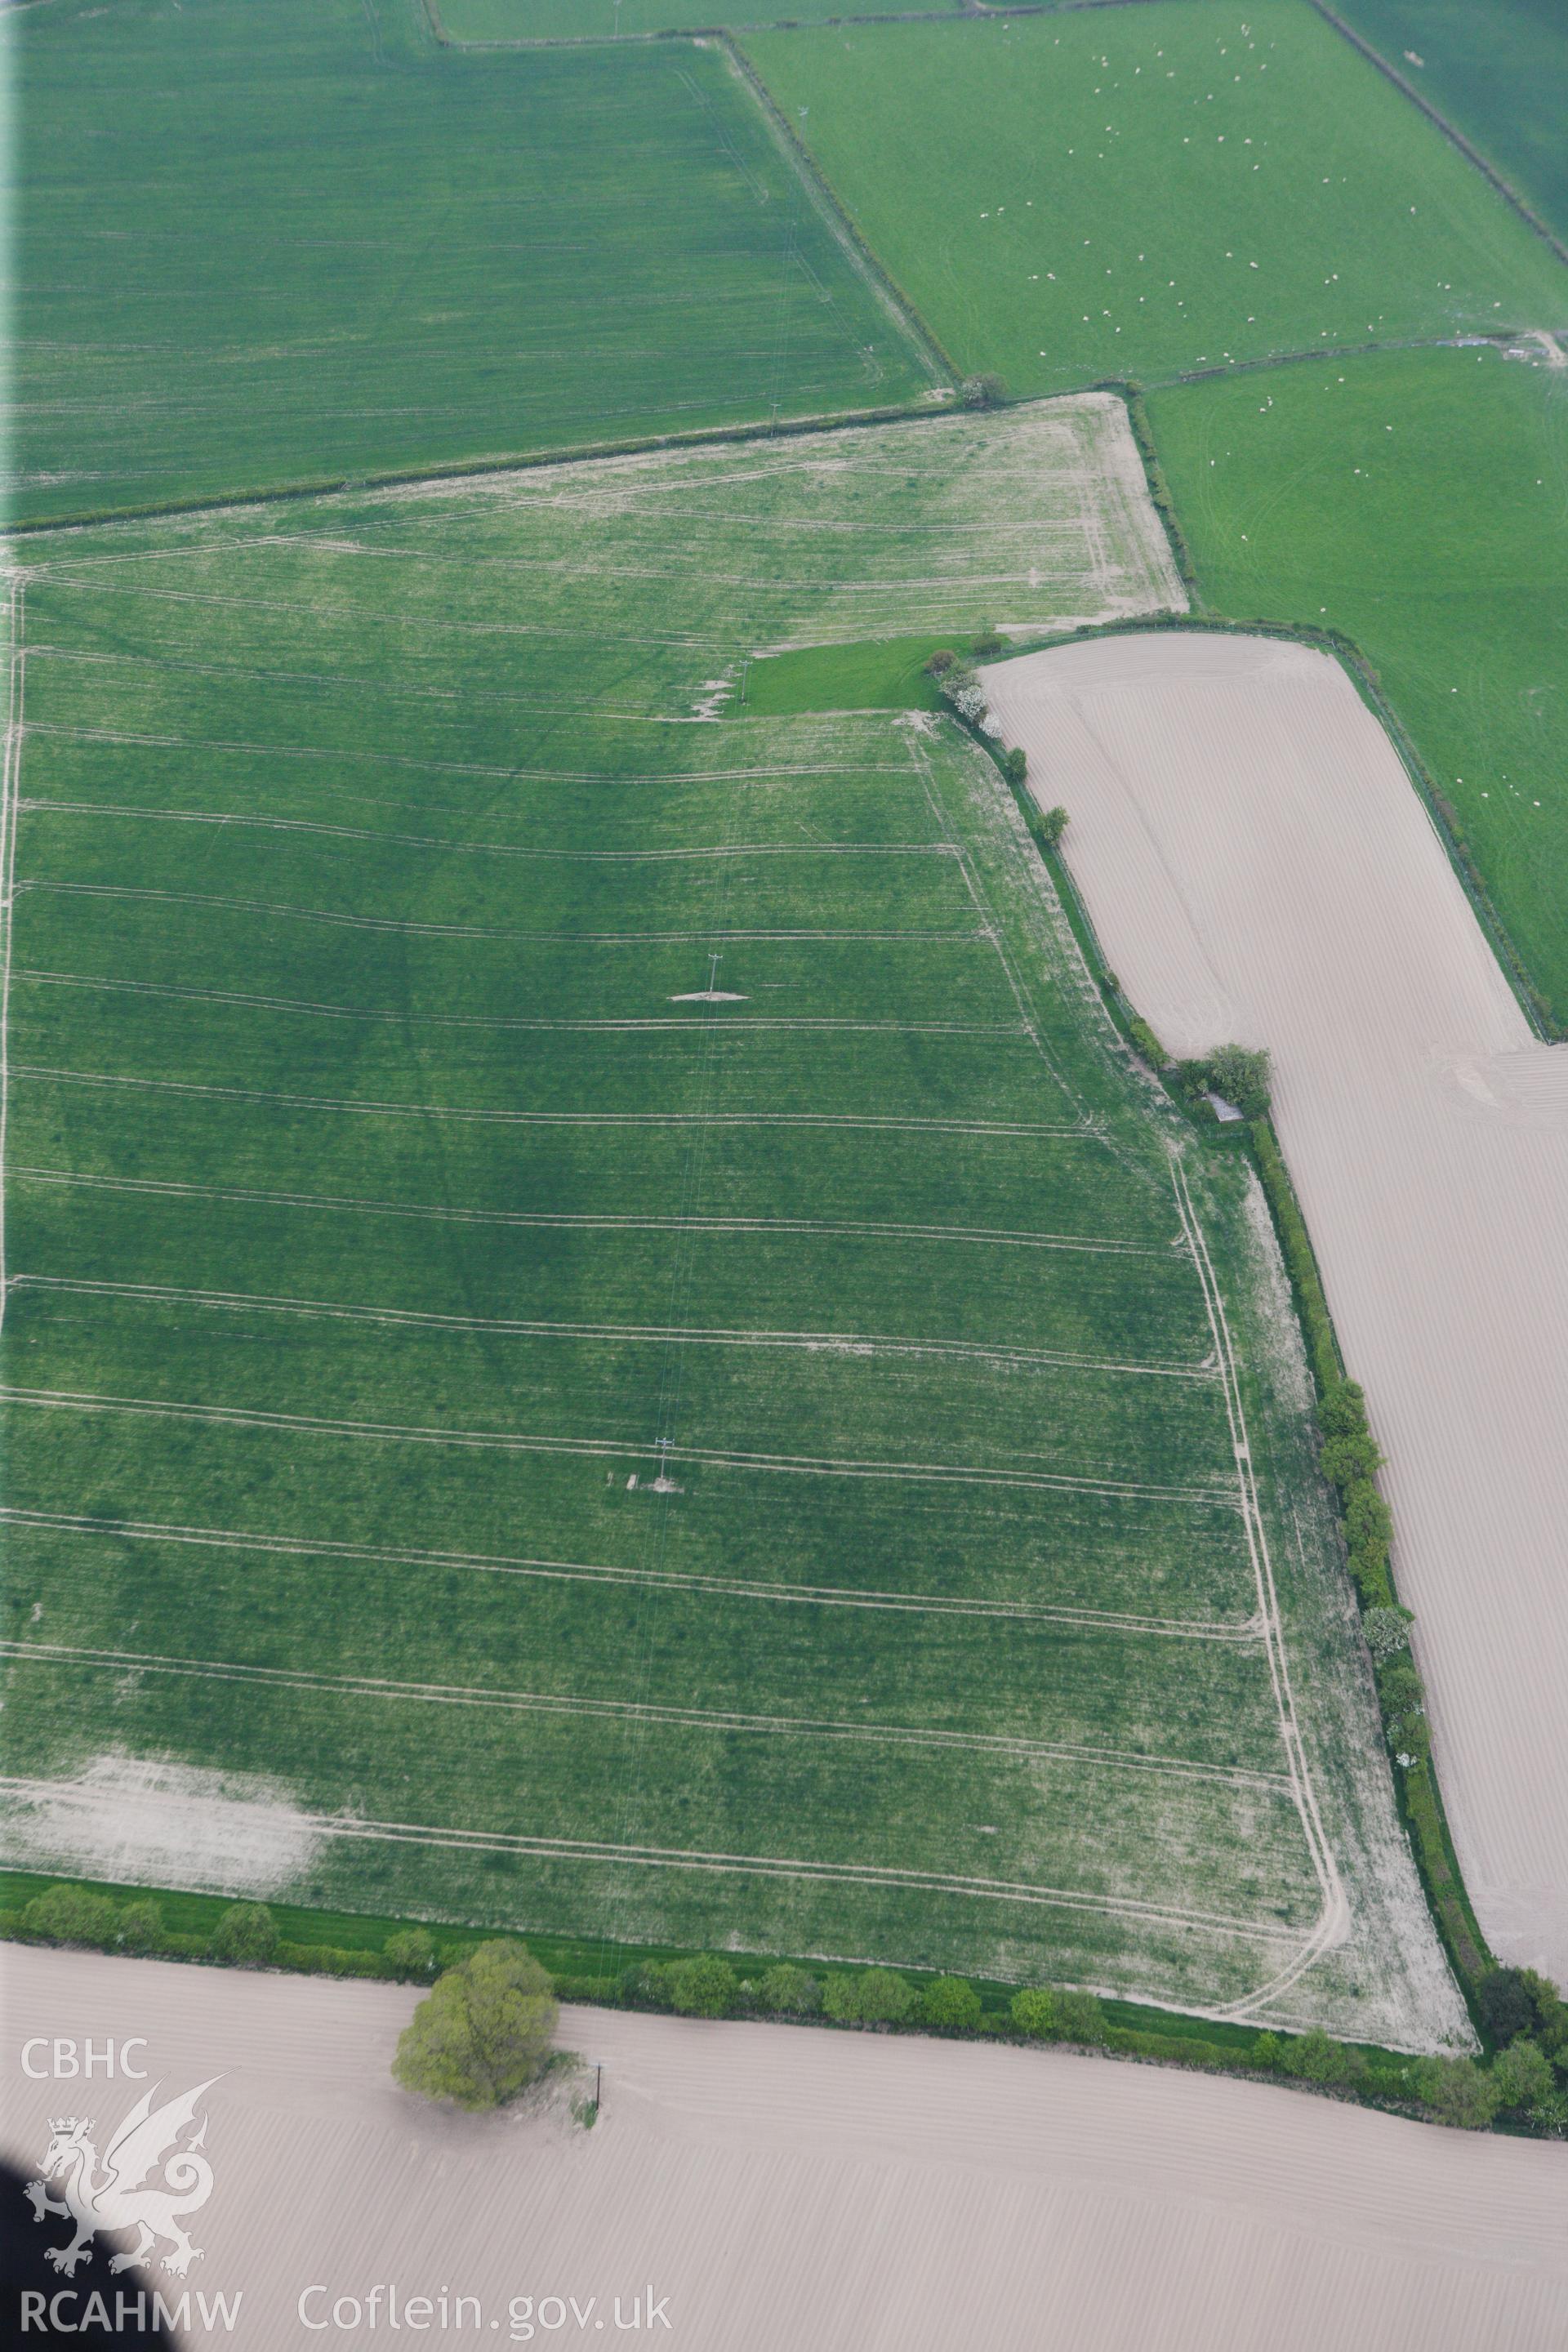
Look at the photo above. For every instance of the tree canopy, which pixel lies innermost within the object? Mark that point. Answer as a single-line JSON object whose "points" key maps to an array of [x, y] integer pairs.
{"points": [[482, 2033]]}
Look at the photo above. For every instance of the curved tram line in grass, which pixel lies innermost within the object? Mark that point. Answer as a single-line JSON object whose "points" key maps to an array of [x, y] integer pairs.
{"points": [[824, 1596], [1332, 1923]]}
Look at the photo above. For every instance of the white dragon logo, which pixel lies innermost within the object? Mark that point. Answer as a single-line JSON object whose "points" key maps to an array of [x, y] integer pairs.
{"points": [[124, 2197]]}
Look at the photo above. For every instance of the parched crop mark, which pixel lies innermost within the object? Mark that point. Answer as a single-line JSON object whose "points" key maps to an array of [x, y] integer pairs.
{"points": [[1333, 1916]]}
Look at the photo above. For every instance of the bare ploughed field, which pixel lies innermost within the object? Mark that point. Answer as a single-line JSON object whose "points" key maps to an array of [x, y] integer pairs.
{"points": [[1258, 866], [784, 2188]]}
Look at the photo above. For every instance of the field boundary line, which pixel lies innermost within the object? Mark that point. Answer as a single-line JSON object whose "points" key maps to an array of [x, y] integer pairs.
{"points": [[827, 1596], [826, 1343], [1333, 1919], [716, 1721], [1204, 618], [1029, 871], [942, 12], [339, 1826], [940, 370], [1537, 1009], [10, 811], [601, 1449], [922, 412], [297, 491], [990, 921]]}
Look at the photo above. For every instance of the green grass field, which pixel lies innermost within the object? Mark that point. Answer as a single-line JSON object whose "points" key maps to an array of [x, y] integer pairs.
{"points": [[884, 674], [595, 1304], [1143, 191], [1499, 74], [263, 244], [1416, 500]]}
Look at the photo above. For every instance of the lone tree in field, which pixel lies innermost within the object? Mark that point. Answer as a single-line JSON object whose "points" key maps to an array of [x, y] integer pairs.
{"points": [[482, 2033]]}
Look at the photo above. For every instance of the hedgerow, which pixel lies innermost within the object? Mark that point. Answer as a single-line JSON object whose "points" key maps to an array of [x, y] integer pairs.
{"points": [[1519, 2010]]}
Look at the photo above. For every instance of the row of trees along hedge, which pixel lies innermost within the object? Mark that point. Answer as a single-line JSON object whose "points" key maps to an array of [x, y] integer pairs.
{"points": [[708, 1986], [245, 1936], [446, 2053]]}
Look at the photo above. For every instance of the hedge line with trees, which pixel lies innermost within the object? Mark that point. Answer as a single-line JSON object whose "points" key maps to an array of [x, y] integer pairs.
{"points": [[497, 1988]]}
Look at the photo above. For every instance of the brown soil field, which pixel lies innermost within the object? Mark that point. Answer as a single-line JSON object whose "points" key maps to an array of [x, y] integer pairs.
{"points": [[1259, 868], [785, 2187]]}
